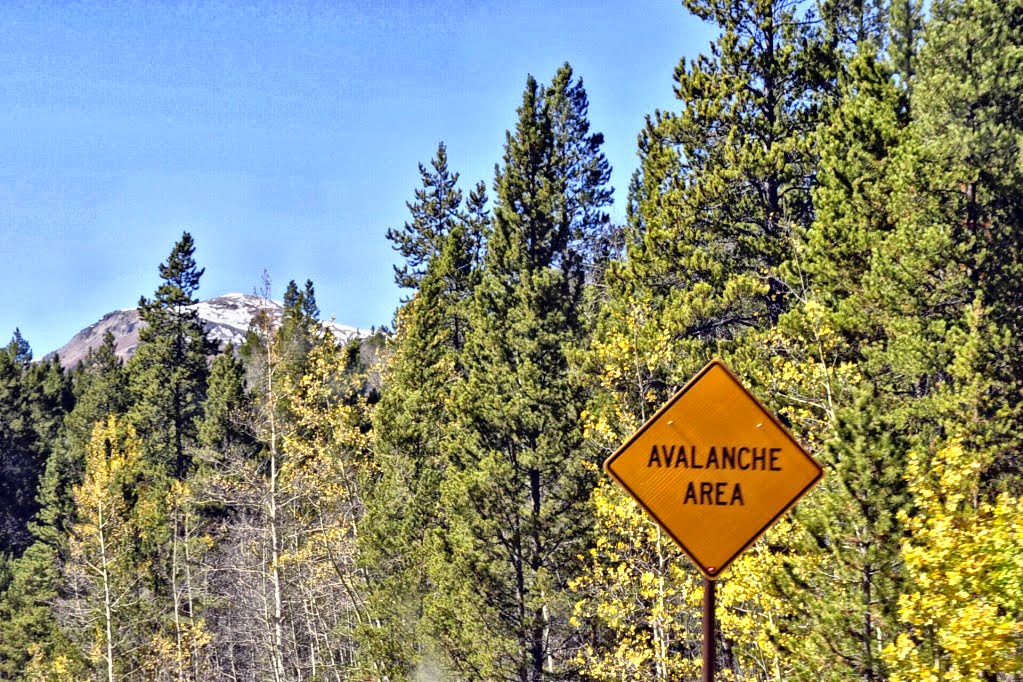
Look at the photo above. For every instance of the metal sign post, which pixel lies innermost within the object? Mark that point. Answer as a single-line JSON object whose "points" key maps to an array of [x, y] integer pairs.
{"points": [[709, 625]]}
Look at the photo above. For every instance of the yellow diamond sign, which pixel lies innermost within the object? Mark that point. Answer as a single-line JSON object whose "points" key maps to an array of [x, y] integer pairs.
{"points": [[714, 468]]}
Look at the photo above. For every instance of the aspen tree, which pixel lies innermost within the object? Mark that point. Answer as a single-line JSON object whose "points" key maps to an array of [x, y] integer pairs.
{"points": [[102, 564]]}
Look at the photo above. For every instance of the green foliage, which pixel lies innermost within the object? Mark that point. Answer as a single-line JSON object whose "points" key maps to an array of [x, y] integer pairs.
{"points": [[100, 390], [299, 328], [970, 126], [845, 569], [513, 509], [905, 30], [435, 212], [29, 631], [411, 426], [34, 397], [223, 414], [168, 373], [852, 194]]}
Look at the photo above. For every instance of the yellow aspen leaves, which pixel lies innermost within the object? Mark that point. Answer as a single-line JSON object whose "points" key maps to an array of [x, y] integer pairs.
{"points": [[964, 558]]}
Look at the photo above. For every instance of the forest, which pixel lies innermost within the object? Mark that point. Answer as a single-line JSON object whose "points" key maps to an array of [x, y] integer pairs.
{"points": [[833, 206]]}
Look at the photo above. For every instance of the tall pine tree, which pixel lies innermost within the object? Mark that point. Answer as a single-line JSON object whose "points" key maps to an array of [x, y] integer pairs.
{"points": [[168, 372], [514, 503], [411, 424]]}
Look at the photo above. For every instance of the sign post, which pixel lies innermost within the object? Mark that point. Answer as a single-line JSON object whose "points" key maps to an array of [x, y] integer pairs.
{"points": [[709, 623], [714, 469]]}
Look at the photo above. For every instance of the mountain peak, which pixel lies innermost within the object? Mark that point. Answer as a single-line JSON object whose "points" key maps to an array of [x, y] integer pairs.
{"points": [[226, 319]]}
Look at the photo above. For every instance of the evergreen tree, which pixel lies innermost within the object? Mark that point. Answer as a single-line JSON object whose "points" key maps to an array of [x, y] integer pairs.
{"points": [[514, 502], [434, 212], [857, 145], [34, 397], [309, 307], [100, 390], [966, 105], [721, 196], [849, 24], [848, 559], [221, 426], [844, 566], [167, 379], [410, 426], [943, 288], [168, 372], [36, 641], [20, 464], [723, 185], [291, 296], [30, 636], [299, 329], [904, 34]]}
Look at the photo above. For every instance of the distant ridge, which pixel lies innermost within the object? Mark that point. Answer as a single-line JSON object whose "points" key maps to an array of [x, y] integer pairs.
{"points": [[226, 319]]}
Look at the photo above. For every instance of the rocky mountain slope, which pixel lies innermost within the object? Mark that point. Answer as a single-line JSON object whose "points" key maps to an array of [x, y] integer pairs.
{"points": [[226, 319]]}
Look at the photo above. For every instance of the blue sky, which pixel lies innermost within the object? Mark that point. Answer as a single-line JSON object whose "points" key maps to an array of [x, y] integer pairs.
{"points": [[283, 136]]}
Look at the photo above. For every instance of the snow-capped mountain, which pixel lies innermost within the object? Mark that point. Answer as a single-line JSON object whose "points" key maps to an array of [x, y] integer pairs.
{"points": [[226, 319]]}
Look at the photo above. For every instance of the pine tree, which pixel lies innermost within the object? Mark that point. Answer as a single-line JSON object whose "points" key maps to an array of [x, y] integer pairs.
{"points": [[299, 329], [943, 288], [224, 412], [34, 397], [434, 212], [167, 380], [723, 185], [514, 511], [409, 429], [969, 84], [30, 636], [100, 390], [851, 198], [834, 398], [168, 373], [722, 195], [901, 258], [905, 30], [850, 24], [36, 642], [19, 461]]}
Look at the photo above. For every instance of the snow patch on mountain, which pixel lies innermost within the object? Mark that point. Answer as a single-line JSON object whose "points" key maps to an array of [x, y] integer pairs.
{"points": [[226, 320]]}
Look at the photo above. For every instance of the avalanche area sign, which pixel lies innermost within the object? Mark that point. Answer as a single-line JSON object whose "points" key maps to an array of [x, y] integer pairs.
{"points": [[714, 468]]}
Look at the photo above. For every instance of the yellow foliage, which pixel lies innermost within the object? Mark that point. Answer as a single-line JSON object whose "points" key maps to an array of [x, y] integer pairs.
{"points": [[40, 668], [637, 587], [637, 584], [325, 459], [964, 558], [642, 588]]}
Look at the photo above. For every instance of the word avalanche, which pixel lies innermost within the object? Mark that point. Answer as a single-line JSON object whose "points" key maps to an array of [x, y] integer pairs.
{"points": [[722, 458]]}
